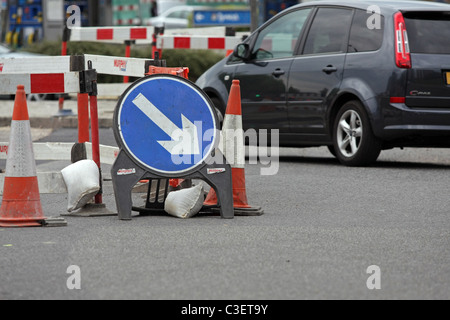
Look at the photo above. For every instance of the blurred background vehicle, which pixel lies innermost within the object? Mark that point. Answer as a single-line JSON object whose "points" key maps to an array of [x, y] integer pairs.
{"points": [[174, 18]]}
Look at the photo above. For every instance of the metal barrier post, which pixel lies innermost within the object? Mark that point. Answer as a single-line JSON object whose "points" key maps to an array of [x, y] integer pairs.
{"points": [[128, 44], [95, 141], [95, 133], [65, 39], [83, 118]]}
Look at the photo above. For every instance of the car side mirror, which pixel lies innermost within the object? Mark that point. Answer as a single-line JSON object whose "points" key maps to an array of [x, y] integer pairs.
{"points": [[242, 51]]}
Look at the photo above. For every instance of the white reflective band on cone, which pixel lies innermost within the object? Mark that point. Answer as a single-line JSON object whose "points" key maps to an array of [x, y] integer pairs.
{"points": [[20, 162], [232, 141]]}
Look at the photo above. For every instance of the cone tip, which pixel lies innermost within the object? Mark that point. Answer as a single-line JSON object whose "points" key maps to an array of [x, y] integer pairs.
{"points": [[234, 100], [20, 112]]}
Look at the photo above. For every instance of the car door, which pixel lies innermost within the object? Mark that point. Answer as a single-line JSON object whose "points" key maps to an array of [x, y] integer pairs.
{"points": [[263, 78], [318, 71]]}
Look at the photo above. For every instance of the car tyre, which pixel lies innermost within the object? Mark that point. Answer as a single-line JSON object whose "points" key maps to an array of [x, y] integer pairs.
{"points": [[331, 150], [353, 138]]}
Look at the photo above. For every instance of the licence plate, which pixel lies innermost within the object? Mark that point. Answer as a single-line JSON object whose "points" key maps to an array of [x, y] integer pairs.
{"points": [[447, 76]]}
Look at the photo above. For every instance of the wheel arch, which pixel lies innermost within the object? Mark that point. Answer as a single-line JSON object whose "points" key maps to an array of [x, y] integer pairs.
{"points": [[218, 103]]}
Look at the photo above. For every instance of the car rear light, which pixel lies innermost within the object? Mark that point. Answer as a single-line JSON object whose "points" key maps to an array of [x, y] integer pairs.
{"points": [[398, 100], [402, 52]]}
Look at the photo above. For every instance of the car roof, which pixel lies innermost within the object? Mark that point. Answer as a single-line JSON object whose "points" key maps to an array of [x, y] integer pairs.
{"points": [[383, 4]]}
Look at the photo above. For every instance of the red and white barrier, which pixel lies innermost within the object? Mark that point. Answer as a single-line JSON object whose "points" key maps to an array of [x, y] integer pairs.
{"points": [[37, 83], [126, 35], [112, 34], [197, 42], [121, 66], [199, 38], [55, 75], [38, 64]]}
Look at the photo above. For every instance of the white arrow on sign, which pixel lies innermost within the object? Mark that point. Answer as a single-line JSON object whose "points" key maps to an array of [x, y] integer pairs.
{"points": [[184, 141]]}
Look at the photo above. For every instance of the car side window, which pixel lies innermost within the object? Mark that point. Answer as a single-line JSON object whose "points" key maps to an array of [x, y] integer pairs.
{"points": [[329, 31], [364, 38], [279, 39]]}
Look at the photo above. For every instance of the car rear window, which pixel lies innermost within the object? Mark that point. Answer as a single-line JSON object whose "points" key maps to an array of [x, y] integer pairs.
{"points": [[428, 33]]}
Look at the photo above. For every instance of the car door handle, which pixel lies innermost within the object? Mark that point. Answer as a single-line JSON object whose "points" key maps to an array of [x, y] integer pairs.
{"points": [[329, 69], [278, 73]]}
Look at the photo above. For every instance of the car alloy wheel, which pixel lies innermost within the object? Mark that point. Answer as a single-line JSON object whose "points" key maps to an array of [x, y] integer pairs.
{"points": [[349, 133], [354, 142]]}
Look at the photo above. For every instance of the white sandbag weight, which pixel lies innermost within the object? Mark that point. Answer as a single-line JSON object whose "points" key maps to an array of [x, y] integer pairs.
{"points": [[185, 203], [83, 183]]}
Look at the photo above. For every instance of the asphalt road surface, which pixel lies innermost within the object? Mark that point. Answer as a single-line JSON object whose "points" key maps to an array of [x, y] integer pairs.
{"points": [[324, 226]]}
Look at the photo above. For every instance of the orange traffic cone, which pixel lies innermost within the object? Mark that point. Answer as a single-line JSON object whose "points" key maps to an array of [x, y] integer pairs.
{"points": [[232, 131], [21, 204]]}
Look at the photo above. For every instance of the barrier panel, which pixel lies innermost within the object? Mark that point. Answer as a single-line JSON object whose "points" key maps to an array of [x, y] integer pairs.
{"points": [[214, 38], [142, 35], [112, 34], [125, 35], [121, 66], [74, 74], [197, 42]]}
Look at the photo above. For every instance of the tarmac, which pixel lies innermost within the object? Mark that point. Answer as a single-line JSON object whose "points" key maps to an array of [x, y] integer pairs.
{"points": [[323, 225]]}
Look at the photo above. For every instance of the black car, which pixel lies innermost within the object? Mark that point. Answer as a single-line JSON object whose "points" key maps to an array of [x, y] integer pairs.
{"points": [[356, 76]]}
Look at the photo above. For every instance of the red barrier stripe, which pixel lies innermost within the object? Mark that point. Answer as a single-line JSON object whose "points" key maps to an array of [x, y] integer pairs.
{"points": [[47, 83], [181, 43], [138, 33], [105, 34], [216, 43]]}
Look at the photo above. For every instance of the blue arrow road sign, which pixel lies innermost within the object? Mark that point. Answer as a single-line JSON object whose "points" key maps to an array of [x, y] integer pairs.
{"points": [[222, 17], [167, 124]]}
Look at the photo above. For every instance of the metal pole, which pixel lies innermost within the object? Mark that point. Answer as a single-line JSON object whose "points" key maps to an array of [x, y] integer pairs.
{"points": [[127, 55], [95, 134], [83, 117], [96, 142], [65, 38]]}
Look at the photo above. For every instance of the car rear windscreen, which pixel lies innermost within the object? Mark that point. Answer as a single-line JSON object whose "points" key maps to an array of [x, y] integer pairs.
{"points": [[428, 32]]}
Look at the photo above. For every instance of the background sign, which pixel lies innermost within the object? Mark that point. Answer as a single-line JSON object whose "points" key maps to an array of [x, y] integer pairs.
{"points": [[167, 124], [224, 17], [217, 3]]}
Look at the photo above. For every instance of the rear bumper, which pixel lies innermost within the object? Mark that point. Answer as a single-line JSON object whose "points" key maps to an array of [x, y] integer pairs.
{"points": [[425, 127]]}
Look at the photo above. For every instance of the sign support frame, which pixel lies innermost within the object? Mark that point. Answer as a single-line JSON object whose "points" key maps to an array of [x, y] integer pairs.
{"points": [[124, 183]]}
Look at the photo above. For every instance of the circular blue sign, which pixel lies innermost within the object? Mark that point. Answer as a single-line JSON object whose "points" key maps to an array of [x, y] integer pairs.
{"points": [[167, 124]]}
